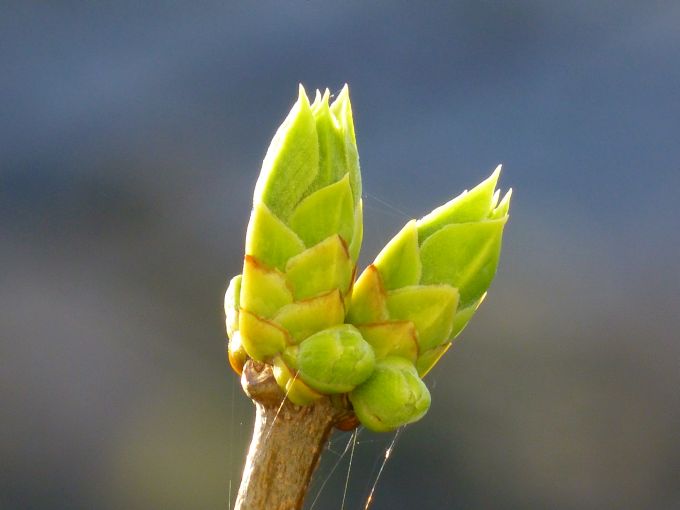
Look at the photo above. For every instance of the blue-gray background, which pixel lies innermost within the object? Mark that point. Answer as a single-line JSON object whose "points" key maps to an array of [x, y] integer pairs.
{"points": [[130, 140]]}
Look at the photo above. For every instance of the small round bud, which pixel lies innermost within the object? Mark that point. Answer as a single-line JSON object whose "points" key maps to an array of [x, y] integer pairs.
{"points": [[335, 360], [393, 396]]}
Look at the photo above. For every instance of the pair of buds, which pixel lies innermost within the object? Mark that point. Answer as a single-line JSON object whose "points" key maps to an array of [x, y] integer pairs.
{"points": [[298, 304]]}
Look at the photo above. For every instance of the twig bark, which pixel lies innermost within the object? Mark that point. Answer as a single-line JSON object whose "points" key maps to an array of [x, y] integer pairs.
{"points": [[286, 445]]}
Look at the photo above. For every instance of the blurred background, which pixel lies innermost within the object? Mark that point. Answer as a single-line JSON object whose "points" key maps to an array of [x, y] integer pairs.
{"points": [[131, 135]]}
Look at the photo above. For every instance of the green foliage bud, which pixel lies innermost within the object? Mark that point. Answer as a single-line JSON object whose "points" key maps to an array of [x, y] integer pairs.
{"points": [[335, 360], [434, 273], [393, 396], [304, 233]]}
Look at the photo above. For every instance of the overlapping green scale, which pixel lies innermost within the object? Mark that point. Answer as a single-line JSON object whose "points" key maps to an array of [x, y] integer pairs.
{"points": [[302, 244], [297, 307]]}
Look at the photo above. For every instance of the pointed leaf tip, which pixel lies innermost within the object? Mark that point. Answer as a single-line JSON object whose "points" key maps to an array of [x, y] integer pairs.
{"points": [[343, 95], [302, 94], [342, 109], [317, 98], [502, 208], [322, 110], [469, 206], [291, 162]]}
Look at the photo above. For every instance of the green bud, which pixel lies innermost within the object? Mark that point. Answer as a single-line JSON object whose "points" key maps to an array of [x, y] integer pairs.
{"points": [[393, 396], [304, 233], [297, 307], [335, 360], [434, 273]]}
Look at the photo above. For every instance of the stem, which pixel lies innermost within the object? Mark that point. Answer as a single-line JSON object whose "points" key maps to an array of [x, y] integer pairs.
{"points": [[286, 445]]}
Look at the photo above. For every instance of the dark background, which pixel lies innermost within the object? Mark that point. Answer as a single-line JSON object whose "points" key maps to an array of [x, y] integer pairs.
{"points": [[130, 140]]}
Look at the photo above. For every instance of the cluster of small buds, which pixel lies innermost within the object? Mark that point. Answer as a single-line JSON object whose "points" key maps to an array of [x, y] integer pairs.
{"points": [[297, 307]]}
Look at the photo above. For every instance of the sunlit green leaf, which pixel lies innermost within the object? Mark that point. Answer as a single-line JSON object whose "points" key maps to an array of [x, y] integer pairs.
{"points": [[464, 255]]}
